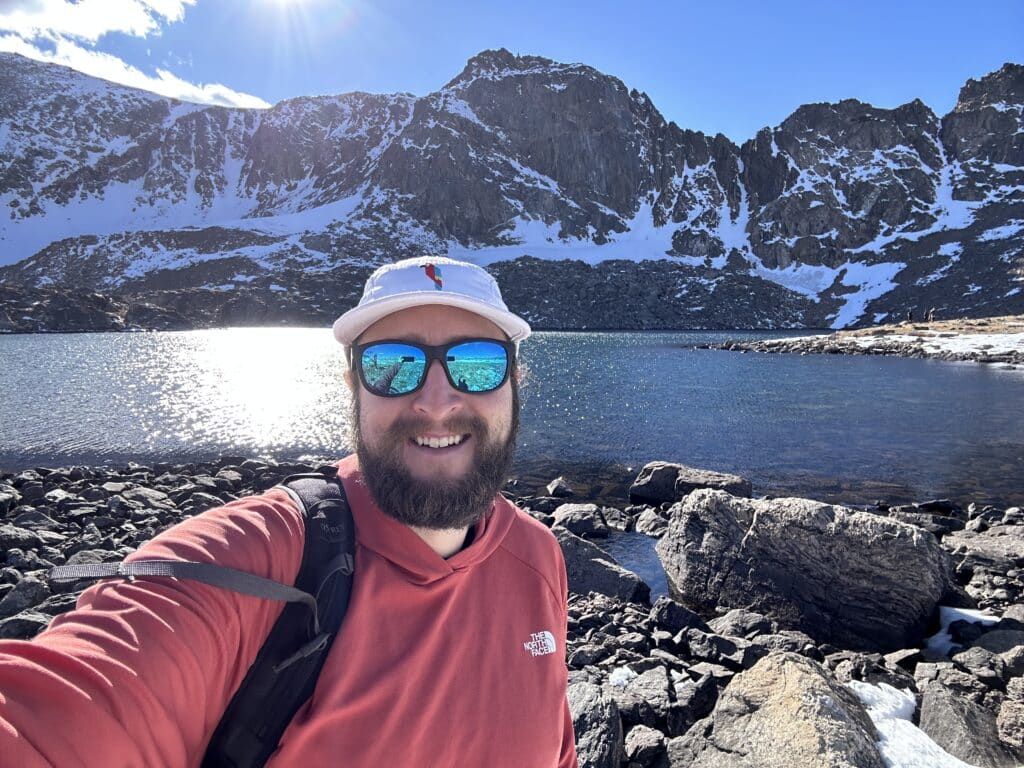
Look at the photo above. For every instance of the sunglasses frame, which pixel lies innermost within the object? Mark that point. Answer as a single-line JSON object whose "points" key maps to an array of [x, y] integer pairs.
{"points": [[433, 352]]}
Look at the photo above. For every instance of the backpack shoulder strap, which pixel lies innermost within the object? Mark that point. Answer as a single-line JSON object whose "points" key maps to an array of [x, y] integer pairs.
{"points": [[285, 672]]}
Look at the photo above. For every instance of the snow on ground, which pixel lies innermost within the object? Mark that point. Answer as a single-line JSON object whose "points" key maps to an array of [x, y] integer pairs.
{"points": [[810, 280], [942, 641], [643, 241], [901, 743], [979, 343]]}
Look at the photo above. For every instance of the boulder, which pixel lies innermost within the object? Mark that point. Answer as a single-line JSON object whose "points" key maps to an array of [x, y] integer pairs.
{"points": [[656, 483], [582, 519], [661, 481], [560, 488], [785, 711], [954, 712], [1010, 720], [673, 617], [844, 577], [591, 569], [651, 523], [27, 593], [742, 623], [644, 745], [643, 699], [11, 536], [597, 726]]}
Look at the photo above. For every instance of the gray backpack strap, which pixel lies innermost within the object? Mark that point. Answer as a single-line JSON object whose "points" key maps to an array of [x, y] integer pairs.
{"points": [[207, 573]]}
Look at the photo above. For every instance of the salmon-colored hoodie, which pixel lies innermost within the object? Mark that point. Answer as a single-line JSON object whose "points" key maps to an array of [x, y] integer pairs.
{"points": [[457, 662]]}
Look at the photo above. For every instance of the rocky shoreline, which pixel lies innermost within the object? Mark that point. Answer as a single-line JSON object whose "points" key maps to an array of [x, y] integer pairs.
{"points": [[997, 340], [789, 621]]}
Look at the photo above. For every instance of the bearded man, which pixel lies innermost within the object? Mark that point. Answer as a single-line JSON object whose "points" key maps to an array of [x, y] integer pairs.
{"points": [[452, 649]]}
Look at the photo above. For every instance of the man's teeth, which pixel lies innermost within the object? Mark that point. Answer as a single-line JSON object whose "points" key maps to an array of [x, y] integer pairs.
{"points": [[438, 442]]}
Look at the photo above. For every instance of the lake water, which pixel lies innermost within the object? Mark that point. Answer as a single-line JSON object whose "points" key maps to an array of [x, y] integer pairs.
{"points": [[596, 406]]}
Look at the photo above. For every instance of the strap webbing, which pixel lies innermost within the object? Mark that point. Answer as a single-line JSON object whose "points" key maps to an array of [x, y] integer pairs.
{"points": [[208, 573]]}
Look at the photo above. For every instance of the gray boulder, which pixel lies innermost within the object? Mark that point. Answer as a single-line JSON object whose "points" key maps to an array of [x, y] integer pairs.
{"points": [[651, 523], [644, 745], [662, 481], [26, 593], [849, 578], [643, 700], [591, 569], [597, 726], [584, 520], [961, 716], [783, 712]]}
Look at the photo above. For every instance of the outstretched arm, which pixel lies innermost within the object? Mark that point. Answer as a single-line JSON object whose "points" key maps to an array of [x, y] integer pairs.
{"points": [[140, 672]]}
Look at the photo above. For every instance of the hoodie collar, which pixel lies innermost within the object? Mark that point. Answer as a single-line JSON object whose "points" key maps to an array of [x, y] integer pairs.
{"points": [[400, 545]]}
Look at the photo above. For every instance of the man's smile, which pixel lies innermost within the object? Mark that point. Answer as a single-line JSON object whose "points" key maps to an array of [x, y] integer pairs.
{"points": [[442, 441]]}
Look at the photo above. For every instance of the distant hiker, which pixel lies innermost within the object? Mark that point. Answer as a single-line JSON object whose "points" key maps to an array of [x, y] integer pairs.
{"points": [[930, 315], [910, 315], [452, 650]]}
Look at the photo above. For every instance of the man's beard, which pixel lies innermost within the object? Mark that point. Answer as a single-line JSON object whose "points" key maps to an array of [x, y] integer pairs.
{"points": [[436, 504]]}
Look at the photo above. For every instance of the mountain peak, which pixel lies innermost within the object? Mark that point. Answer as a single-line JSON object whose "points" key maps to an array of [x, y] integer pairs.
{"points": [[502, 63], [1004, 86]]}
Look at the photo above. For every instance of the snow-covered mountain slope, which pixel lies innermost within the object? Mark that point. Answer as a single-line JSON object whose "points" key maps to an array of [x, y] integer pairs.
{"points": [[843, 214]]}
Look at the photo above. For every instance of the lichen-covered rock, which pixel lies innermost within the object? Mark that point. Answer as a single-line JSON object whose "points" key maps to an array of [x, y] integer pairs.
{"points": [[845, 577], [596, 725], [785, 711]]}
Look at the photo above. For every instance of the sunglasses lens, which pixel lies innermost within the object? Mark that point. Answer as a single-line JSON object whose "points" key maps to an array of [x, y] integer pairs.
{"points": [[392, 369], [478, 366]]}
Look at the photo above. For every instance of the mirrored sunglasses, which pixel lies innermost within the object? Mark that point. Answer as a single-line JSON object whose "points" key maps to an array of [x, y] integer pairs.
{"points": [[393, 368]]}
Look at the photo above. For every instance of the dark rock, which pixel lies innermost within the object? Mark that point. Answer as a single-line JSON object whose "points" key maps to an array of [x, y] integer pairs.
{"points": [[849, 578], [26, 594], [644, 745], [964, 727], [694, 700], [591, 569], [24, 625], [643, 699], [616, 519], [742, 623], [12, 536], [597, 726], [673, 617], [661, 481], [560, 488], [583, 520], [655, 484]]}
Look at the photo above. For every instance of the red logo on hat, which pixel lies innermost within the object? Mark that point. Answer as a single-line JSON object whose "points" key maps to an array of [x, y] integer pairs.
{"points": [[434, 273]]}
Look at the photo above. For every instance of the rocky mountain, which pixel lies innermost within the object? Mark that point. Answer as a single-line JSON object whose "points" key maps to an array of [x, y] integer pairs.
{"points": [[594, 211]]}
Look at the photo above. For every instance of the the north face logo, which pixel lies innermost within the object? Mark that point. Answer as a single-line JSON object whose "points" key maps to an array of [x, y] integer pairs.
{"points": [[541, 644]]}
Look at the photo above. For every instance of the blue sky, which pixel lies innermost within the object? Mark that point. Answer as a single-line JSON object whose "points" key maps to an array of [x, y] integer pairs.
{"points": [[724, 66]]}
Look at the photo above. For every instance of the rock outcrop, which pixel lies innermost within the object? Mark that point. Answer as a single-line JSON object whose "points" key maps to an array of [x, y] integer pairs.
{"points": [[842, 214], [849, 578]]}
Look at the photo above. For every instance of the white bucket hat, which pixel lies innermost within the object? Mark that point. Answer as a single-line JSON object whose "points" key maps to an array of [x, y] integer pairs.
{"points": [[429, 280]]}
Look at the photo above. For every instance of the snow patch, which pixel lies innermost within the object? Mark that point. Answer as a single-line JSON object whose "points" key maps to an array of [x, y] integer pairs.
{"points": [[1014, 227], [900, 742]]}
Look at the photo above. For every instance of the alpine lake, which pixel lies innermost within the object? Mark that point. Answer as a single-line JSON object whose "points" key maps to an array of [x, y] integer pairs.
{"points": [[595, 408]]}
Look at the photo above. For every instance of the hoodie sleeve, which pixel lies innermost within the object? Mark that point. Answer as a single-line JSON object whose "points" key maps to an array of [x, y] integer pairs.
{"points": [[140, 672]]}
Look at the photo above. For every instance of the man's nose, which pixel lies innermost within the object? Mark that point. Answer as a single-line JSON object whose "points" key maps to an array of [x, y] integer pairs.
{"points": [[437, 398]]}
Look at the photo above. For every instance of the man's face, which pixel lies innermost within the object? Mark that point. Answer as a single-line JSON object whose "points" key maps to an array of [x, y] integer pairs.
{"points": [[446, 487]]}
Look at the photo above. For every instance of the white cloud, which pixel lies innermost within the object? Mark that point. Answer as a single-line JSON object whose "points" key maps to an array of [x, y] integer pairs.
{"points": [[61, 32], [89, 19]]}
